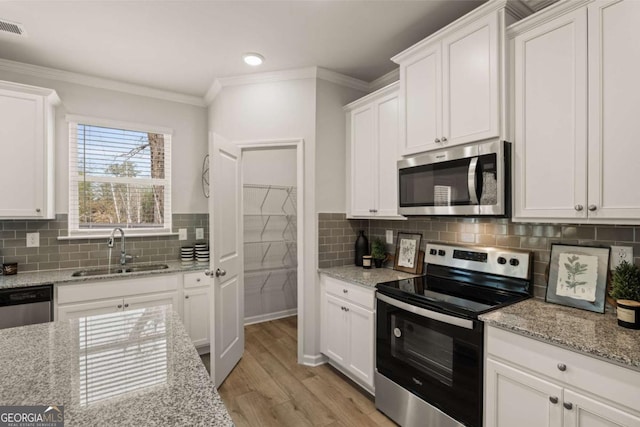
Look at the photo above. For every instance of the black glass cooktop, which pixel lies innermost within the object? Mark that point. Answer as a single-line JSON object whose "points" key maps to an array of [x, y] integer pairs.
{"points": [[462, 298]]}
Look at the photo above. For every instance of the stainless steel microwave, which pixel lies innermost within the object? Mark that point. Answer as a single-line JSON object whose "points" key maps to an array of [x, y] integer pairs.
{"points": [[468, 180]]}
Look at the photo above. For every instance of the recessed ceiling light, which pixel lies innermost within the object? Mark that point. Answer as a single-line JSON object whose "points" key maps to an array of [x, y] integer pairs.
{"points": [[253, 59]]}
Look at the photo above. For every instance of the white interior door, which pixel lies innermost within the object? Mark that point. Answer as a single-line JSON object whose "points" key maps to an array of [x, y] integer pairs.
{"points": [[225, 220]]}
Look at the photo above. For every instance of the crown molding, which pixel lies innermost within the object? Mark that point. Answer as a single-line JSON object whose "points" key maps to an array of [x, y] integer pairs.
{"points": [[98, 82], [286, 75], [385, 80], [545, 15]]}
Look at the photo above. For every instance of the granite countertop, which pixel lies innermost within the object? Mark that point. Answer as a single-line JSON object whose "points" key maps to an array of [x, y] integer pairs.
{"points": [[593, 334], [22, 280], [365, 277], [136, 367]]}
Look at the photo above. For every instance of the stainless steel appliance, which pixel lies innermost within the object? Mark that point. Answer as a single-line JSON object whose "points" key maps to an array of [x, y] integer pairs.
{"points": [[26, 306], [465, 180], [429, 341]]}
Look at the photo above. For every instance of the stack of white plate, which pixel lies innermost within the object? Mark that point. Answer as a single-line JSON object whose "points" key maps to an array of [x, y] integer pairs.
{"points": [[202, 252], [186, 253]]}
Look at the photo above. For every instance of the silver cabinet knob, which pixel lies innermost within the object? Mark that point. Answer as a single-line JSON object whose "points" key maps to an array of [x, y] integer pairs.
{"points": [[397, 332], [553, 399], [579, 207], [38, 210], [568, 405], [119, 305], [592, 208], [126, 305], [198, 279], [444, 139], [186, 297], [437, 140], [371, 211], [562, 367], [207, 273], [346, 309], [345, 291], [220, 272]]}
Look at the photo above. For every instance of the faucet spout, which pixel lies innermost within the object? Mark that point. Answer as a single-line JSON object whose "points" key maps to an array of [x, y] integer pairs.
{"points": [[110, 242]]}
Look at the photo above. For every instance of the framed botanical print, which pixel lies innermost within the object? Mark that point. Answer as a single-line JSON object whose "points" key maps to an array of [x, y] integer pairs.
{"points": [[578, 276], [407, 252]]}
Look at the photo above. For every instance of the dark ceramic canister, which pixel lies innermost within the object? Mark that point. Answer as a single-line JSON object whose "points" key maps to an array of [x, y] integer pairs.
{"points": [[362, 248]]}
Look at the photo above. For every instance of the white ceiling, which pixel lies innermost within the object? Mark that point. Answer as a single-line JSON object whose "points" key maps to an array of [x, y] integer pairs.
{"points": [[183, 45]]}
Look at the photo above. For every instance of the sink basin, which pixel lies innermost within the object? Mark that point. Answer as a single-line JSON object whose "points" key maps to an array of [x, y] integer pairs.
{"points": [[119, 270]]}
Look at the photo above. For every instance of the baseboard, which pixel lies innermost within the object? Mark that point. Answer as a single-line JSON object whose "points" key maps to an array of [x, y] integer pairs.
{"points": [[317, 360], [270, 316]]}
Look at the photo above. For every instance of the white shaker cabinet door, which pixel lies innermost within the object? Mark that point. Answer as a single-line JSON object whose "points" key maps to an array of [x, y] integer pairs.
{"points": [[86, 309], [387, 152], [516, 398], [470, 82], [421, 101], [361, 343], [363, 154], [334, 330], [551, 119], [582, 411], [154, 300], [614, 99], [196, 315]]}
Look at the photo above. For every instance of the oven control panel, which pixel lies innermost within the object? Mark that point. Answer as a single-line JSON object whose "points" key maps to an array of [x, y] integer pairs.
{"points": [[504, 262]]}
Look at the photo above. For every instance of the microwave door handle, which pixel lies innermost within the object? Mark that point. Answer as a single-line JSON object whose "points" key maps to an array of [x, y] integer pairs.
{"points": [[472, 182]]}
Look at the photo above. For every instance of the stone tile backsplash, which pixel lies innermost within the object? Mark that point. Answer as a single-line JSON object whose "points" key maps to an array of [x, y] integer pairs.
{"points": [[338, 235], [54, 254]]}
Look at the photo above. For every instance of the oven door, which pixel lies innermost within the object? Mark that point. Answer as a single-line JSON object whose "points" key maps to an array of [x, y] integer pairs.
{"points": [[436, 356]]}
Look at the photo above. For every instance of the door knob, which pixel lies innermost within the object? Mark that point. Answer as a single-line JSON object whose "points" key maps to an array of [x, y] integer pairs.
{"points": [[579, 207], [220, 272], [592, 208]]}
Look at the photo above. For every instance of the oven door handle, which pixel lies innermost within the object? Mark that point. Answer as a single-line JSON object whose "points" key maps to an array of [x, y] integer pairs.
{"points": [[445, 318], [471, 181]]}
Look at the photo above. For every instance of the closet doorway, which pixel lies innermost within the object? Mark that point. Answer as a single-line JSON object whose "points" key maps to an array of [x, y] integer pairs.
{"points": [[271, 239]]}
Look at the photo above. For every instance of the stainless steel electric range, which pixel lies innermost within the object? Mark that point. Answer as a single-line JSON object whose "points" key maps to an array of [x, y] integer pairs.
{"points": [[429, 341]]}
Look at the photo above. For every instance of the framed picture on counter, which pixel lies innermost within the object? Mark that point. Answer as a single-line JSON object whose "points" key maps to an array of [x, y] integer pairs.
{"points": [[578, 276], [407, 252]]}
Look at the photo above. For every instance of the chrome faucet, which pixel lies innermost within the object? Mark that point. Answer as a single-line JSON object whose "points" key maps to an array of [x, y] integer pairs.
{"points": [[123, 253]]}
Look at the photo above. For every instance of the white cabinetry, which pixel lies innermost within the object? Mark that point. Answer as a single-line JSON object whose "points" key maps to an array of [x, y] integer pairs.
{"points": [[347, 329], [27, 143], [372, 124], [574, 148], [196, 307], [451, 83], [530, 383]]}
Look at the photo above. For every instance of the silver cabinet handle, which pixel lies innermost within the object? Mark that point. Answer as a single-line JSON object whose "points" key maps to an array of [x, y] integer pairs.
{"points": [[579, 207], [562, 367], [371, 211], [207, 272], [119, 305], [592, 208], [220, 272], [186, 297], [553, 399], [437, 140], [444, 139], [568, 405]]}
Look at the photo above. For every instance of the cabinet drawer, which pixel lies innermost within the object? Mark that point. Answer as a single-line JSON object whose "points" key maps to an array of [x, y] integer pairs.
{"points": [[89, 291], [350, 292], [195, 280], [604, 379]]}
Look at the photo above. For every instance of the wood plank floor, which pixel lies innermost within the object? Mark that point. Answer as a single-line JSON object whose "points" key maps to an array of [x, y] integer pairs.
{"points": [[269, 388]]}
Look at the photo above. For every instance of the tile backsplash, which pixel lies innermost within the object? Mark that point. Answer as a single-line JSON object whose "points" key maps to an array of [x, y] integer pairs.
{"points": [[54, 254], [337, 237]]}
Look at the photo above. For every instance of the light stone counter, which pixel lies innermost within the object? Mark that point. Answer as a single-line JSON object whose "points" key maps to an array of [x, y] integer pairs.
{"points": [[133, 368], [364, 277], [593, 334], [22, 280]]}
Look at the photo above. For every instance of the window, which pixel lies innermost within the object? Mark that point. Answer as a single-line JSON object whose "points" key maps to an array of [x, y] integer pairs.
{"points": [[119, 176]]}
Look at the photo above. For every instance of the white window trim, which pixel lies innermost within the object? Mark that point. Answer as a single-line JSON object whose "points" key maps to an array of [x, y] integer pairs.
{"points": [[73, 220]]}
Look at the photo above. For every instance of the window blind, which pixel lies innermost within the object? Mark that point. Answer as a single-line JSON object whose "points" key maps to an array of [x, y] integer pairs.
{"points": [[118, 177]]}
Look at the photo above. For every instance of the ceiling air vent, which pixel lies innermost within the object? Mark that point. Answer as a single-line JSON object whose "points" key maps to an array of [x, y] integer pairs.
{"points": [[7, 27]]}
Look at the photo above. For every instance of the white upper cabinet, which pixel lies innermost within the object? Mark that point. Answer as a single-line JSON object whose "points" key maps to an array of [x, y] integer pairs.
{"points": [[26, 142], [372, 144], [575, 133], [451, 83]]}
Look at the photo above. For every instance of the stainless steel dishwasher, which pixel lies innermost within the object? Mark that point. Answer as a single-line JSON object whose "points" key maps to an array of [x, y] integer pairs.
{"points": [[26, 306]]}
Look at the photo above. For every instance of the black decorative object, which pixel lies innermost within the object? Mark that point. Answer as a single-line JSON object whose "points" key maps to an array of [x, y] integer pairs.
{"points": [[362, 248]]}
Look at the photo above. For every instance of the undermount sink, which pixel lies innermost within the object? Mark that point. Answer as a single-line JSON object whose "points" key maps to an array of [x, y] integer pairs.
{"points": [[119, 270]]}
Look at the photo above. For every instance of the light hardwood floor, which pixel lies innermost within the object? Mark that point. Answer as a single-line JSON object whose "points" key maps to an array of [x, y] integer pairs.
{"points": [[269, 388]]}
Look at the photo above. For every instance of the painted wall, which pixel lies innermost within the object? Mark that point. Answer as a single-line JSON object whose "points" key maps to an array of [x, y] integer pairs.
{"points": [[269, 166], [189, 124], [301, 108]]}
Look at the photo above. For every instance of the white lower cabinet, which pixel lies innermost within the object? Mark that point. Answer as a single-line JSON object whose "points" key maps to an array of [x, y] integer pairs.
{"points": [[347, 329], [84, 309], [196, 307], [532, 384]]}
